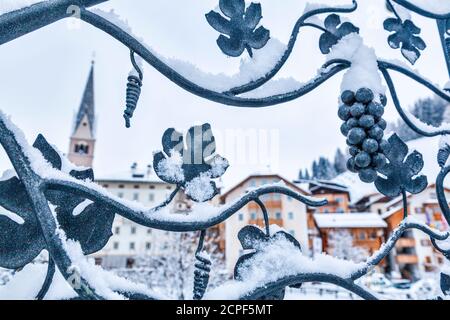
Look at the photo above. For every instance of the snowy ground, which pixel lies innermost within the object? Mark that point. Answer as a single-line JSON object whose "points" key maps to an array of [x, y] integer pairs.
{"points": [[319, 292]]}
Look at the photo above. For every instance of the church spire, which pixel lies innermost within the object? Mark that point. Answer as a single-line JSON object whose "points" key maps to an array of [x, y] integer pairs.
{"points": [[87, 106], [82, 140]]}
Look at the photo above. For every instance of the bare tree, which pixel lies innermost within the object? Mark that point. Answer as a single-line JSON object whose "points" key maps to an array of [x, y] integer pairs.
{"points": [[172, 273], [341, 242]]}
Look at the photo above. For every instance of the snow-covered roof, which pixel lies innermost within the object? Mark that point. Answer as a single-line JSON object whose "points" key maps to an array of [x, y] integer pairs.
{"points": [[349, 220], [393, 202], [317, 184], [428, 147], [390, 212], [431, 201], [302, 185], [130, 175], [281, 180], [377, 198]]}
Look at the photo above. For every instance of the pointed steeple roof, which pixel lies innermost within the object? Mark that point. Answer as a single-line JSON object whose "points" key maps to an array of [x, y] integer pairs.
{"points": [[87, 106]]}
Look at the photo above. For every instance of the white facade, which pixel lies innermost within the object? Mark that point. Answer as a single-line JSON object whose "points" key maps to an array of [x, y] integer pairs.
{"points": [[130, 239], [427, 256], [282, 209], [421, 206]]}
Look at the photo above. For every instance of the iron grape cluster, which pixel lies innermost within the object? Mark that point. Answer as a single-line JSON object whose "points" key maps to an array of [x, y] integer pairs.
{"points": [[364, 128]]}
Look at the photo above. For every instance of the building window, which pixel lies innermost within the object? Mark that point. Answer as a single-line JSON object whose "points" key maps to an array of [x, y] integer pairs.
{"points": [[380, 211], [130, 263], [98, 261], [81, 148], [253, 216], [136, 196], [252, 183], [117, 230], [116, 246], [278, 215], [362, 235], [133, 230], [152, 187], [241, 217], [151, 197], [326, 211], [264, 182], [136, 186], [338, 200], [425, 242], [276, 196], [169, 188], [292, 233], [149, 231], [148, 246], [120, 194], [132, 245], [428, 260], [289, 198], [291, 216], [340, 210], [105, 186], [121, 186]]}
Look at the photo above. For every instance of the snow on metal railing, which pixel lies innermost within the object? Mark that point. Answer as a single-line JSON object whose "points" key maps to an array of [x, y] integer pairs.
{"points": [[43, 194]]}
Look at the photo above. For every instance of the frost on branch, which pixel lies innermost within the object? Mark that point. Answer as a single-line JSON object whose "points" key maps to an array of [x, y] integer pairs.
{"points": [[191, 164]]}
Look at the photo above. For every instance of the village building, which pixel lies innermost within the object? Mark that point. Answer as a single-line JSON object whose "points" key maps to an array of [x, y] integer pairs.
{"points": [[366, 229], [283, 211], [414, 256]]}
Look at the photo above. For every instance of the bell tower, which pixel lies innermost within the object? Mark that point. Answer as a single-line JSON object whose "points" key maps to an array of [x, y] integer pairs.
{"points": [[82, 140]]}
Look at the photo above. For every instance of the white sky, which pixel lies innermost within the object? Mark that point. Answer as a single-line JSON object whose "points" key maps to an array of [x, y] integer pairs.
{"points": [[43, 75]]}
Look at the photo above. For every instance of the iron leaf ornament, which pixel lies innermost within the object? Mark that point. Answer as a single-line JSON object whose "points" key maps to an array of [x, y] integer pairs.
{"points": [[335, 32], [445, 283], [401, 174], [238, 28], [21, 242], [253, 238], [405, 36], [191, 163], [443, 155]]}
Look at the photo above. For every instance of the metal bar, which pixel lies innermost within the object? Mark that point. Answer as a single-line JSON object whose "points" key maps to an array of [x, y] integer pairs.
{"points": [[220, 97], [21, 22], [442, 28], [150, 218]]}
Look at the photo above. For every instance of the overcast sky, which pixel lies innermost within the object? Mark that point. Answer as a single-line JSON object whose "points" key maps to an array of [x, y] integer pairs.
{"points": [[42, 76]]}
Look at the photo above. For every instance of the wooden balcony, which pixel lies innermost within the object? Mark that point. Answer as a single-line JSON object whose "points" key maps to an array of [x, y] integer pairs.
{"points": [[406, 243], [368, 243], [407, 259], [270, 204]]}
